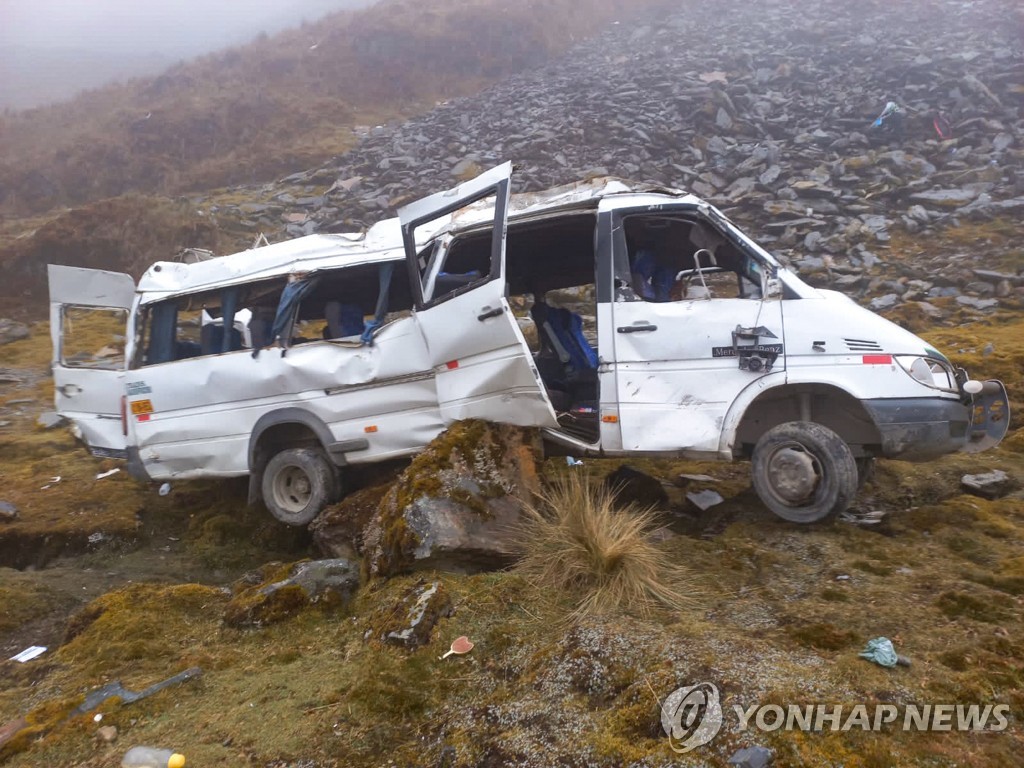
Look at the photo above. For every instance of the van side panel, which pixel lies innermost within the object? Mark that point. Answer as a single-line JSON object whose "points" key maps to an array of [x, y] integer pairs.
{"points": [[203, 410]]}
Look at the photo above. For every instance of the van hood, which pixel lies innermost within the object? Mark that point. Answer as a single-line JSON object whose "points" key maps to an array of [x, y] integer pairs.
{"points": [[847, 327]]}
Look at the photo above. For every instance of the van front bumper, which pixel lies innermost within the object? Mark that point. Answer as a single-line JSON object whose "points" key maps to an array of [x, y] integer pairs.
{"points": [[920, 428]]}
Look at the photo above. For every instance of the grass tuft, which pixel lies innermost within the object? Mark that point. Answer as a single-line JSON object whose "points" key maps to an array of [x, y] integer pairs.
{"points": [[578, 542]]}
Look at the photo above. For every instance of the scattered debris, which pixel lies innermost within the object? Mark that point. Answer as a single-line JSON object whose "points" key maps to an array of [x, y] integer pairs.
{"points": [[49, 419], [460, 646], [869, 517], [33, 651], [107, 734], [704, 500], [110, 690], [882, 652], [108, 473], [698, 478], [53, 481], [164, 489], [152, 757], [990, 485], [573, 462], [751, 757]]}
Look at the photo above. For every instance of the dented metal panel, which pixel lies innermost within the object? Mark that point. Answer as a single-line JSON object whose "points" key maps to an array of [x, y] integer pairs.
{"points": [[209, 405]]}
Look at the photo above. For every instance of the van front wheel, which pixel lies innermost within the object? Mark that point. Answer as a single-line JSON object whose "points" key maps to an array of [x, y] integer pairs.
{"points": [[297, 484], [804, 472]]}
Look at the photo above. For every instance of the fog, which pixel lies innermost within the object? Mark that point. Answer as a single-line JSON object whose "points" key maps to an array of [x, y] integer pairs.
{"points": [[50, 49]]}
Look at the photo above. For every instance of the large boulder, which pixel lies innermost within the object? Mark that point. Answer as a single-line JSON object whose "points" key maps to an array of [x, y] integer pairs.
{"points": [[456, 505]]}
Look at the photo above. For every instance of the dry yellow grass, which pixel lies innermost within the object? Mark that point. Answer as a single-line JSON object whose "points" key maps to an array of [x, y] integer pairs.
{"points": [[579, 541]]}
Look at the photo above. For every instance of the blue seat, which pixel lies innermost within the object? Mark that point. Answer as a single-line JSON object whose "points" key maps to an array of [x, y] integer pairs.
{"points": [[561, 332]]}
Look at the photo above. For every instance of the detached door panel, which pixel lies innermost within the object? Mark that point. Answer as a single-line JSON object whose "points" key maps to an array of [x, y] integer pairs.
{"points": [[483, 366], [88, 320]]}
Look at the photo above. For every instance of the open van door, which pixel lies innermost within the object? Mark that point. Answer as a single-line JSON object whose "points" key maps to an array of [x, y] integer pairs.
{"points": [[88, 319], [484, 368]]}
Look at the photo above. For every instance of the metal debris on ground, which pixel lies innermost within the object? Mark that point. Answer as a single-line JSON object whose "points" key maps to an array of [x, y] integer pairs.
{"points": [[108, 691], [108, 473], [870, 517], [53, 481], [29, 653], [704, 500]]}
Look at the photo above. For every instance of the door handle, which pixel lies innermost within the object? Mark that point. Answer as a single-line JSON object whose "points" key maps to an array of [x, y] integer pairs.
{"points": [[69, 390], [639, 328], [490, 313]]}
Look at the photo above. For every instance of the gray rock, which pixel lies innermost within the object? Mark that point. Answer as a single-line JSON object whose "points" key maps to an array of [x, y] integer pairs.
{"points": [[8, 511], [989, 485], [457, 504], [413, 619], [974, 303], [263, 597], [751, 757], [881, 303], [945, 198], [12, 330]]}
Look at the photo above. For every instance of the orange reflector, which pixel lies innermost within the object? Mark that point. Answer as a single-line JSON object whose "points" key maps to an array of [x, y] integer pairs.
{"points": [[451, 365], [877, 359], [610, 419], [370, 429]]}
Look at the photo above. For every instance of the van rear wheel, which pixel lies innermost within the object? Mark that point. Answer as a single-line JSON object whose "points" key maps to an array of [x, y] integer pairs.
{"points": [[804, 472], [297, 484]]}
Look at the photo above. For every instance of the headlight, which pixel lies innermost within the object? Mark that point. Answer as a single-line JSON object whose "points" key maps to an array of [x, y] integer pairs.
{"points": [[928, 371]]}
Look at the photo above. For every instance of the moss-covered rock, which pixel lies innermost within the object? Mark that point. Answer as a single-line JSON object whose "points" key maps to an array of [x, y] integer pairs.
{"points": [[338, 530], [411, 620], [455, 506], [276, 592]]}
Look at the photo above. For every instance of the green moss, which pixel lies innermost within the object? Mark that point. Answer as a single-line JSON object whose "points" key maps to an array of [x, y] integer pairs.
{"points": [[823, 636], [868, 567], [833, 595], [959, 604]]}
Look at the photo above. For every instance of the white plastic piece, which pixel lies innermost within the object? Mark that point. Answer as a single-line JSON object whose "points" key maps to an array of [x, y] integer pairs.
{"points": [[973, 387]]}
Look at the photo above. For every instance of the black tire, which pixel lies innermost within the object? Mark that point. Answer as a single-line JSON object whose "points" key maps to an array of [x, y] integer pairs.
{"points": [[297, 484], [804, 472], [865, 471]]}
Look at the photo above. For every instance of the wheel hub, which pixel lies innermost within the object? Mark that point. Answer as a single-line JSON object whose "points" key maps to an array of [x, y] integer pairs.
{"points": [[793, 474], [292, 489]]}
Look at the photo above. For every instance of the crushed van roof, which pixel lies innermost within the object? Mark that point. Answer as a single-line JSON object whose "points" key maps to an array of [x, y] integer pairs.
{"points": [[382, 241]]}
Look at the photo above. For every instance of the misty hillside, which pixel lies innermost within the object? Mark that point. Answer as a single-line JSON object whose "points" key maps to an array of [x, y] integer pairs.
{"points": [[37, 76], [50, 50], [255, 111]]}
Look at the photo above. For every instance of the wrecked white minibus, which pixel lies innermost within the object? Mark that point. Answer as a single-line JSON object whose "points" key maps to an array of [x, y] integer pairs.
{"points": [[655, 328]]}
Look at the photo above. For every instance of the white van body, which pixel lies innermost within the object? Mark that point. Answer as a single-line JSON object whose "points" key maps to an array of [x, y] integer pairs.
{"points": [[695, 342]]}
